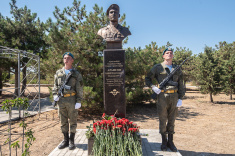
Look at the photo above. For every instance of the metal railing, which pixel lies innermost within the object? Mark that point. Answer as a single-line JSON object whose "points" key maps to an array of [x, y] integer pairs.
{"points": [[31, 62]]}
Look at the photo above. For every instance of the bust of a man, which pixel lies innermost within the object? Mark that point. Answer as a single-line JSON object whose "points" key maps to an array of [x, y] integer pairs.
{"points": [[114, 33]]}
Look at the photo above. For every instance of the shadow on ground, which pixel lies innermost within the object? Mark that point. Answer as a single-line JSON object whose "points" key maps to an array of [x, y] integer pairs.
{"points": [[143, 112], [223, 102], [185, 113], [192, 153]]}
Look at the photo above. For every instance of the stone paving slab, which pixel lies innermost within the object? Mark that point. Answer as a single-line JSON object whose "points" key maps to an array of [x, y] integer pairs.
{"points": [[150, 145]]}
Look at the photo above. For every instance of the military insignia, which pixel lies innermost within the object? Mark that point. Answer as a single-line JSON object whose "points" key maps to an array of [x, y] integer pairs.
{"points": [[114, 92]]}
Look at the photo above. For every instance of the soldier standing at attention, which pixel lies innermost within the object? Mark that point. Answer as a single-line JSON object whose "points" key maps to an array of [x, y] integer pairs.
{"points": [[70, 101], [169, 99]]}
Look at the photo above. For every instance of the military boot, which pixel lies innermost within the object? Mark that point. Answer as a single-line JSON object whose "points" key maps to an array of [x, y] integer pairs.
{"points": [[170, 143], [164, 142], [71, 141], [65, 143]]}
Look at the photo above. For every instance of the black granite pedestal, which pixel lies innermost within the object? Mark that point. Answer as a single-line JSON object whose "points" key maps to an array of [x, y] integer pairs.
{"points": [[114, 82]]}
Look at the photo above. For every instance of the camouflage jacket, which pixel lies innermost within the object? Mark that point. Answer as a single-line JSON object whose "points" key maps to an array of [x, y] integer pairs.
{"points": [[75, 82], [159, 72]]}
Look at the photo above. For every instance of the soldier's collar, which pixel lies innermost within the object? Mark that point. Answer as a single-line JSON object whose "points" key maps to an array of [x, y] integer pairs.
{"points": [[164, 66]]}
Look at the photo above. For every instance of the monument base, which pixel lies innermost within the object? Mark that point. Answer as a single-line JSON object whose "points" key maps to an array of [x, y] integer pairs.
{"points": [[114, 45], [114, 82]]}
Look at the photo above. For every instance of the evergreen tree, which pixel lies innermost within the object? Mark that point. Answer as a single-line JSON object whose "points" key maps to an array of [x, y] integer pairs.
{"points": [[226, 52], [208, 72], [76, 31], [23, 31], [180, 54]]}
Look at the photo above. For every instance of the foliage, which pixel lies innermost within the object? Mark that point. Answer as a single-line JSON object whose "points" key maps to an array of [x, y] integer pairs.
{"points": [[88, 97], [15, 145], [22, 31], [17, 102], [180, 54], [138, 64], [114, 136], [30, 139], [208, 72], [226, 53], [75, 31], [20, 103]]}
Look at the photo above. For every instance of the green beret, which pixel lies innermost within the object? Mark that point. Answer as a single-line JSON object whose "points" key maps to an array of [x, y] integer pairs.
{"points": [[167, 49], [113, 6], [68, 53]]}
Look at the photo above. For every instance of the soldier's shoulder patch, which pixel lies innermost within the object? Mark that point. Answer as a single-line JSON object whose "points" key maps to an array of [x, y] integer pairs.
{"points": [[59, 70], [158, 66], [75, 73]]}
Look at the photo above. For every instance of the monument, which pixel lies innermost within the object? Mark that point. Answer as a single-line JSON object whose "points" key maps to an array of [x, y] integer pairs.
{"points": [[114, 64]]}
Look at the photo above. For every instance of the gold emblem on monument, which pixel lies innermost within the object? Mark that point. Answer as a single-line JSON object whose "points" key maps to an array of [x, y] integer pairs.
{"points": [[114, 92]]}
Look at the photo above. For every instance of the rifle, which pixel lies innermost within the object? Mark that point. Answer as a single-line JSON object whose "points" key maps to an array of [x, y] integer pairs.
{"points": [[60, 91], [166, 81]]}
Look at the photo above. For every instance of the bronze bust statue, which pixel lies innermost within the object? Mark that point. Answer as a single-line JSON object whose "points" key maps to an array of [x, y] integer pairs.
{"points": [[114, 33]]}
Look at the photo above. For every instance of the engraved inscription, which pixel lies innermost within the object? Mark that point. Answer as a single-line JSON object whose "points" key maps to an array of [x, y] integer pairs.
{"points": [[114, 72]]}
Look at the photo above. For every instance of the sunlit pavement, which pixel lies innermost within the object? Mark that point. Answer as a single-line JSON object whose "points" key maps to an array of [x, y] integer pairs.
{"points": [[151, 145]]}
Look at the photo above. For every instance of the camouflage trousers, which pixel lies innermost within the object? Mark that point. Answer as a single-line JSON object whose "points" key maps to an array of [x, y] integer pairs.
{"points": [[68, 114], [167, 111]]}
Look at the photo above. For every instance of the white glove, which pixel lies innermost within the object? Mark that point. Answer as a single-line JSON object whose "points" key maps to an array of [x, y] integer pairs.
{"points": [[56, 97], [77, 105], [179, 103], [156, 90]]}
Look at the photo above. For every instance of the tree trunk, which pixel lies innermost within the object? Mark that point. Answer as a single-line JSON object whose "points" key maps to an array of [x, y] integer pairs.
{"points": [[231, 94], [24, 81], [16, 80], [211, 98], [1, 83]]}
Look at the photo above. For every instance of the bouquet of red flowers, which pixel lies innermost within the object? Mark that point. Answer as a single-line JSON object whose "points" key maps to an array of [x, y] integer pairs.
{"points": [[111, 122], [115, 136]]}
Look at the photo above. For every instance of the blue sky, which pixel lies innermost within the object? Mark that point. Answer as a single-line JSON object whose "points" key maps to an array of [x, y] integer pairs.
{"points": [[184, 23]]}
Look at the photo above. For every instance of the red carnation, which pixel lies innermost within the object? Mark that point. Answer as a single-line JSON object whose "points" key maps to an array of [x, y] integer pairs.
{"points": [[94, 125], [120, 126]]}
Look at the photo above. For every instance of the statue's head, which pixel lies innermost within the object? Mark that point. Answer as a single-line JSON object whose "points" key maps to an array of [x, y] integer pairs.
{"points": [[113, 12]]}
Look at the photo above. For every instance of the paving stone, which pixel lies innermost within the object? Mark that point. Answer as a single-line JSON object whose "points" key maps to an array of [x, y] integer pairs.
{"points": [[151, 145]]}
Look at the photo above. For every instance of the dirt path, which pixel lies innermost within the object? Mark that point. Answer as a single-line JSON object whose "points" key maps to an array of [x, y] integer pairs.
{"points": [[202, 128]]}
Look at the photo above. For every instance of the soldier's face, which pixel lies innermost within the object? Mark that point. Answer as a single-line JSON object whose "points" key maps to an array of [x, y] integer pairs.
{"points": [[68, 60], [113, 15], [168, 55]]}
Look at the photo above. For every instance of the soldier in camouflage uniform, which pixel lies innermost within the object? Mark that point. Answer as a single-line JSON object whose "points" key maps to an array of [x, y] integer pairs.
{"points": [[169, 99], [70, 101]]}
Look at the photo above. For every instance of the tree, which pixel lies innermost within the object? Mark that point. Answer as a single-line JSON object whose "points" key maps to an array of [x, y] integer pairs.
{"points": [[226, 52], [4, 63], [76, 31], [23, 31], [208, 72], [180, 54]]}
